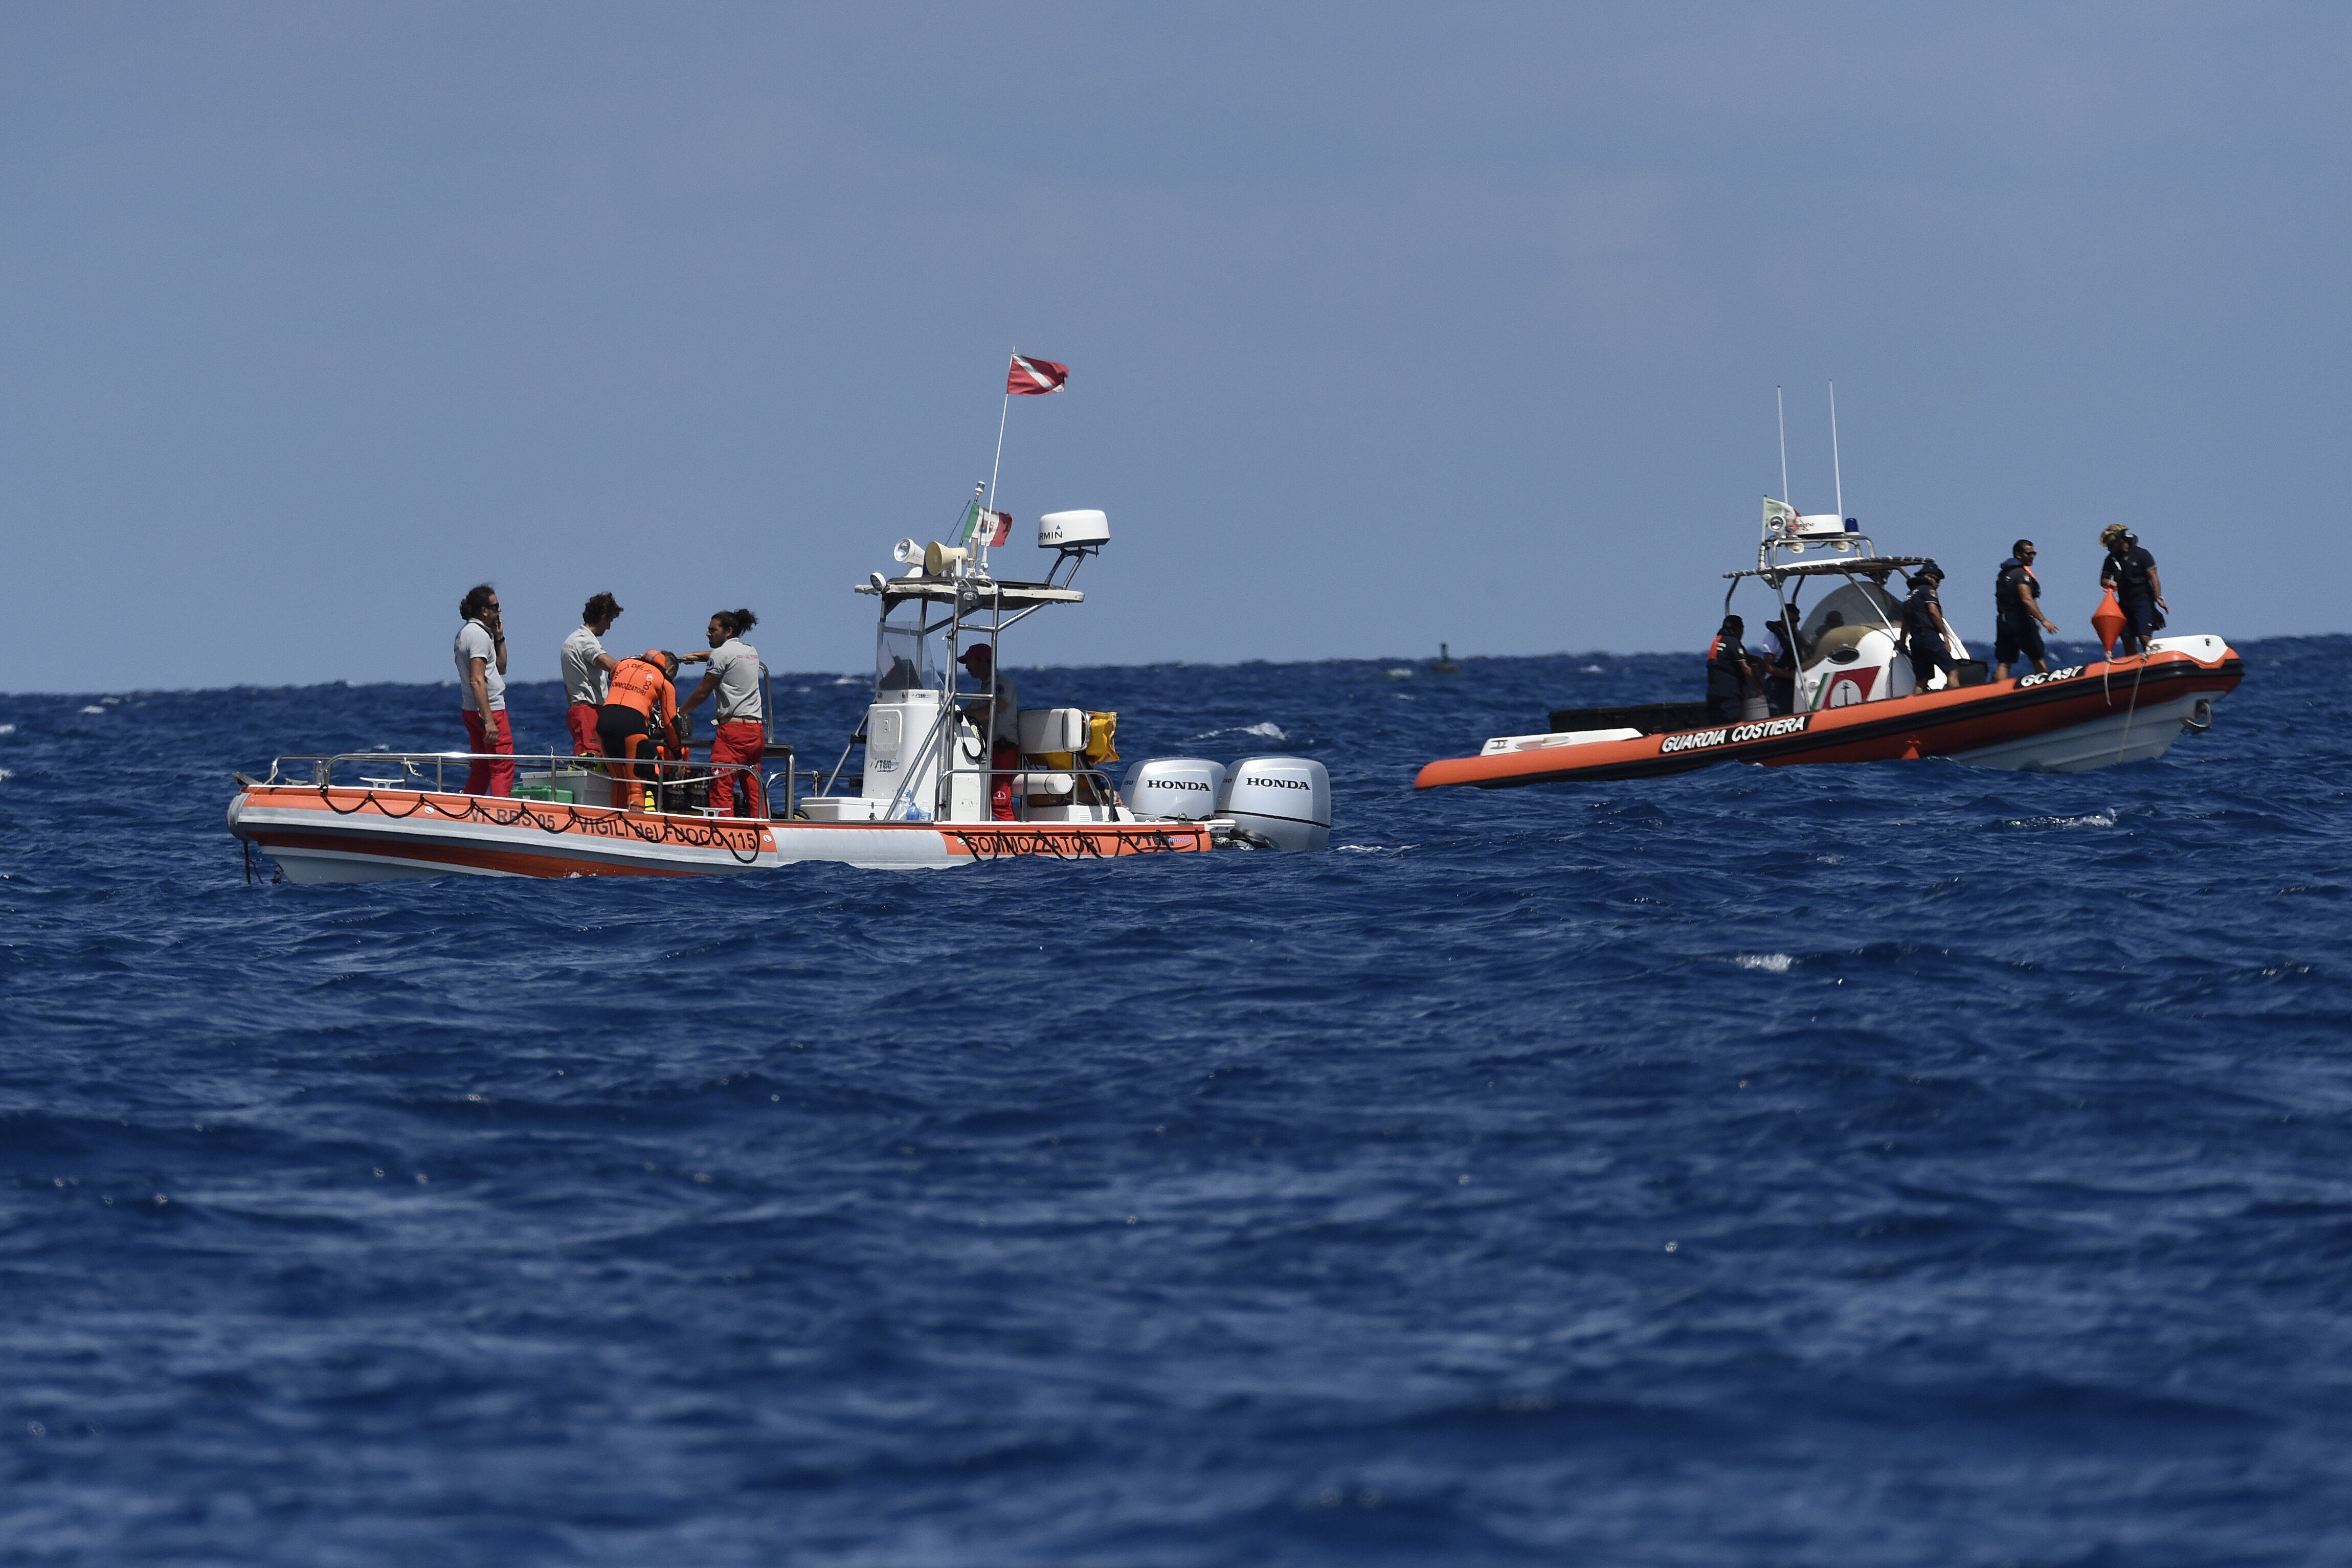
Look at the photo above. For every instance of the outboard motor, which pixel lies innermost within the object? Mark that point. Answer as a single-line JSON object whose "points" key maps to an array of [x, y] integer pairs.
{"points": [[1286, 801], [1184, 788]]}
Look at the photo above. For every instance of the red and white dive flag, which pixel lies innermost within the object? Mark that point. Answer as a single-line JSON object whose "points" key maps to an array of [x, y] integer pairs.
{"points": [[1035, 377]]}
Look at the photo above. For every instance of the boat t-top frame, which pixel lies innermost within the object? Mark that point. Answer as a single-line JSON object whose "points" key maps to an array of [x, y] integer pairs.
{"points": [[1877, 568], [1844, 551], [984, 607]]}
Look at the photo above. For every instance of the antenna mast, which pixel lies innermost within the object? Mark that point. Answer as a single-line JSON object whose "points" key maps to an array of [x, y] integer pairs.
{"points": [[1781, 409], [1833, 452]]}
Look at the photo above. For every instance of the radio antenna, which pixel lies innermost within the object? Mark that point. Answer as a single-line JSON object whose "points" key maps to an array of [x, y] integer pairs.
{"points": [[1781, 409], [1833, 453]]}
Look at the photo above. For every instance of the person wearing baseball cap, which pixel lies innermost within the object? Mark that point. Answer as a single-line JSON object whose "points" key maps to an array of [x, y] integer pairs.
{"points": [[996, 713], [1924, 632], [980, 662]]}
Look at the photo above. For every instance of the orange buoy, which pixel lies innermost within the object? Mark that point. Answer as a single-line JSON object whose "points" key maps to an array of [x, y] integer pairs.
{"points": [[2109, 621]]}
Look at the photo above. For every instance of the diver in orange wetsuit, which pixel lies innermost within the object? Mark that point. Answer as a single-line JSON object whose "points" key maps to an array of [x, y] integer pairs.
{"points": [[641, 694]]}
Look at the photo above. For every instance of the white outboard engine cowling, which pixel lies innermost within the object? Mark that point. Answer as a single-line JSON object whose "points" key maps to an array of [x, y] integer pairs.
{"points": [[1285, 800], [1185, 788]]}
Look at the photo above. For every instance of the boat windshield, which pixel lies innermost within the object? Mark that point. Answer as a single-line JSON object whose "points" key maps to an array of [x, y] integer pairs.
{"points": [[902, 654], [1857, 603]]}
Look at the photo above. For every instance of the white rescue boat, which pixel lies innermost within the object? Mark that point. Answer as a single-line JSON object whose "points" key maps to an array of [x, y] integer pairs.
{"points": [[948, 776]]}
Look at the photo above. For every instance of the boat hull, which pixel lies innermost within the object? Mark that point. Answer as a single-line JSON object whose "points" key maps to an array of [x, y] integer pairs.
{"points": [[915, 845], [2074, 719], [338, 834], [360, 835]]}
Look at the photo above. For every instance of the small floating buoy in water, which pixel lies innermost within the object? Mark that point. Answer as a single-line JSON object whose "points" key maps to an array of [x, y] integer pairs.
{"points": [[1446, 665]]}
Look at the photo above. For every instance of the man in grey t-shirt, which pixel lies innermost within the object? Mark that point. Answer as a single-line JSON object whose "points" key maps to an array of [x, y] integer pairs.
{"points": [[740, 739], [588, 673], [482, 681]]}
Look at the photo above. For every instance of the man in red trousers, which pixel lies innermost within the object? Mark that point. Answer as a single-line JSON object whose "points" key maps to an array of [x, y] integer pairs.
{"points": [[739, 739], [482, 679], [587, 671]]}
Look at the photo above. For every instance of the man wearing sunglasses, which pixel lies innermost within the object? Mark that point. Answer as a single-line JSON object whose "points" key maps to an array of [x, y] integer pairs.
{"points": [[2017, 606], [482, 679]]}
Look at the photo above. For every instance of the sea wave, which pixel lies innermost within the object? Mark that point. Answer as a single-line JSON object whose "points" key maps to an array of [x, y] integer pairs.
{"points": [[1845, 1171]]}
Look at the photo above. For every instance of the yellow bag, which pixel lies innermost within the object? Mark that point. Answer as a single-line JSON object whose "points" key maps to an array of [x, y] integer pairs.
{"points": [[1102, 730]]}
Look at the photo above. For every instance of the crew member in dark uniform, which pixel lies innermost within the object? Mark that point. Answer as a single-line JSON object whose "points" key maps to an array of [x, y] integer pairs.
{"points": [[1923, 625], [2016, 605], [2130, 570], [1730, 673], [1780, 662]]}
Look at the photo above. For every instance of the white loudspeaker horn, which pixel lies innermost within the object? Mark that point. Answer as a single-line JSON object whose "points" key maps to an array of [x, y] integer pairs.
{"points": [[906, 553], [938, 558]]}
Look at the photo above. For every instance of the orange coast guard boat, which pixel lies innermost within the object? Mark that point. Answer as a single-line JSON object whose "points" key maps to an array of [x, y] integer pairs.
{"points": [[1855, 699], [950, 775]]}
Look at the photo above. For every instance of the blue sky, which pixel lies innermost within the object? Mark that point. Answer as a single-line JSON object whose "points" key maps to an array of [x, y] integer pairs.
{"points": [[1387, 325]]}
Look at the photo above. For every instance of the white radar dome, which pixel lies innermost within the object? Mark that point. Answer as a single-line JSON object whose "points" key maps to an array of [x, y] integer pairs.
{"points": [[1056, 529]]}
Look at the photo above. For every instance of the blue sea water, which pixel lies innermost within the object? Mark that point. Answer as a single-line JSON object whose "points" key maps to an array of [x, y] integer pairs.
{"points": [[1893, 1164]]}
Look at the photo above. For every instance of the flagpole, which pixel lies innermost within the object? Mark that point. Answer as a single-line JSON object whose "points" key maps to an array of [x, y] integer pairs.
{"points": [[999, 463], [1000, 452], [993, 466]]}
